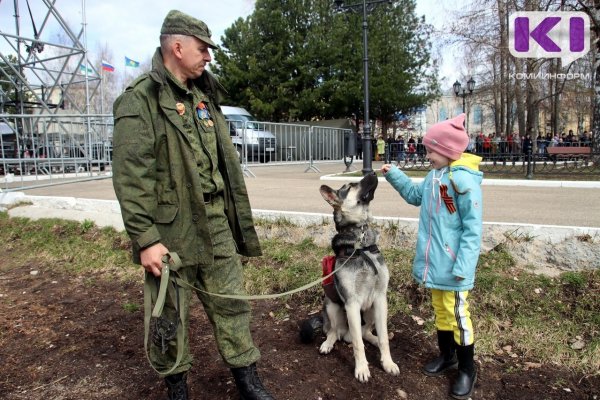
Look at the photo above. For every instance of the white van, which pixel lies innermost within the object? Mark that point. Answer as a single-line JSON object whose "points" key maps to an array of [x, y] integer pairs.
{"points": [[245, 129]]}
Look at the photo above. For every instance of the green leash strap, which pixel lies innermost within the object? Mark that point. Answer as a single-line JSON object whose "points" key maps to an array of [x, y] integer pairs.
{"points": [[183, 283], [162, 291], [171, 262], [167, 260]]}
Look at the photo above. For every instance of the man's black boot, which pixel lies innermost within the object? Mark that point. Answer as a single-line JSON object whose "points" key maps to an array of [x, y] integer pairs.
{"points": [[467, 373], [249, 384], [177, 386], [447, 358]]}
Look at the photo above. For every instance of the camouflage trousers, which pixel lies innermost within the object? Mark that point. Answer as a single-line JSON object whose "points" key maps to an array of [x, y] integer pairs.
{"points": [[230, 318]]}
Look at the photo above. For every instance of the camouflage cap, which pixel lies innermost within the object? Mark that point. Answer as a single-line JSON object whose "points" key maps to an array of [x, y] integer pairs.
{"points": [[178, 23]]}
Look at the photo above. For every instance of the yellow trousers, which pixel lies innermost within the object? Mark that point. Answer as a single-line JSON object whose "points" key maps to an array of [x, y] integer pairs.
{"points": [[452, 314]]}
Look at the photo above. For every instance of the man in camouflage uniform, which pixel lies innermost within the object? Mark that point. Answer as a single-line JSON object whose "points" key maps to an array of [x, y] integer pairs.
{"points": [[181, 189]]}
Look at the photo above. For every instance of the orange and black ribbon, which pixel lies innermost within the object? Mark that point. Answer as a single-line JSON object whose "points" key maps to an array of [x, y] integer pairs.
{"points": [[447, 199]]}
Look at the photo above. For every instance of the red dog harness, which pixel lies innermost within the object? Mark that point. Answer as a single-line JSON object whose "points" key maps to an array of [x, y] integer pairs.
{"points": [[328, 264]]}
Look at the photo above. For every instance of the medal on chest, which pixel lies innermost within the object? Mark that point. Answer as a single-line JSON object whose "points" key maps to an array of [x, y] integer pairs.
{"points": [[203, 114]]}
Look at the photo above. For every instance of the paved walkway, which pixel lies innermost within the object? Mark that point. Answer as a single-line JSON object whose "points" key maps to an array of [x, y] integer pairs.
{"points": [[287, 189], [290, 188]]}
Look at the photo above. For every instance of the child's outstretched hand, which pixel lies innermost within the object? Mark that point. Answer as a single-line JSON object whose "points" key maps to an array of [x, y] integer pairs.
{"points": [[385, 168]]}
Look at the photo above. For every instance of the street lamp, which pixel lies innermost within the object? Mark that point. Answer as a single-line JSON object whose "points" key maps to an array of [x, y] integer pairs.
{"points": [[470, 88], [367, 138]]}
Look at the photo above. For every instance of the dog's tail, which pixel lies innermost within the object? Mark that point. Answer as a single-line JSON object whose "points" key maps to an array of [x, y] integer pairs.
{"points": [[310, 328]]}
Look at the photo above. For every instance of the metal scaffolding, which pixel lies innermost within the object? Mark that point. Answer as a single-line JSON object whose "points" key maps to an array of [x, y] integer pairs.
{"points": [[44, 64], [46, 83]]}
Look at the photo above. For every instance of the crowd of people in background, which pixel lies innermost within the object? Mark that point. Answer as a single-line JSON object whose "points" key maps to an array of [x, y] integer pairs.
{"points": [[495, 144], [399, 149], [488, 146]]}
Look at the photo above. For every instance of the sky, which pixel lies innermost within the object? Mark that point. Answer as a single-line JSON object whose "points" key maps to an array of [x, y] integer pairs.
{"points": [[130, 28]]}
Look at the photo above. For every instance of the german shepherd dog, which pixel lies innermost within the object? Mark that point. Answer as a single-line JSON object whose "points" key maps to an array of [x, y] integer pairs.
{"points": [[361, 279]]}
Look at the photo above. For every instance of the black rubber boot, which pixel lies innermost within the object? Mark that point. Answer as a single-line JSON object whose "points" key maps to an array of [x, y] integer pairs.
{"points": [[447, 358], [249, 384], [177, 386], [467, 373]]}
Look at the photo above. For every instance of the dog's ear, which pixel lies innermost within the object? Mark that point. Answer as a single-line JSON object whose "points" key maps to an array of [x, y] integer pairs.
{"points": [[329, 195]]}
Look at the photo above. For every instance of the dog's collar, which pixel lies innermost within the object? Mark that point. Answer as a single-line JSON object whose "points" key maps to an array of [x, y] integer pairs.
{"points": [[351, 226], [348, 252], [351, 252]]}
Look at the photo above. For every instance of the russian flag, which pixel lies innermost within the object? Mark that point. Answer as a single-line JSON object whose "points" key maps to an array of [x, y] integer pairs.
{"points": [[106, 66]]}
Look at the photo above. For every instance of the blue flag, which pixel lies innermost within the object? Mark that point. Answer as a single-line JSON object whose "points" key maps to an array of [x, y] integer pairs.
{"points": [[131, 63]]}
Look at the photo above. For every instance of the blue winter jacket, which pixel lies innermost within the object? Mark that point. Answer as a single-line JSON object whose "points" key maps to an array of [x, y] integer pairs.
{"points": [[448, 244]]}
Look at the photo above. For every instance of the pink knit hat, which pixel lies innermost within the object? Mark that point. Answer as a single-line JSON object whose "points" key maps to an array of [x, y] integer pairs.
{"points": [[447, 138]]}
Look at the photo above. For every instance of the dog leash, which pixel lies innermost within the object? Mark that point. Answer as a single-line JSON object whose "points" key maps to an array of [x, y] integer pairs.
{"points": [[173, 262], [170, 261]]}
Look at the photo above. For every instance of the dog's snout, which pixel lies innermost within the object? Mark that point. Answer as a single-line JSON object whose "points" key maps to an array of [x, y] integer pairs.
{"points": [[368, 196]]}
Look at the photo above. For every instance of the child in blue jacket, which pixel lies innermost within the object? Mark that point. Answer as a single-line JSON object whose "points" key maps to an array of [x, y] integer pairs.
{"points": [[448, 243]]}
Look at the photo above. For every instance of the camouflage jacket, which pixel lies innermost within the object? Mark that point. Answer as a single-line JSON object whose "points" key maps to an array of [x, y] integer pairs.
{"points": [[155, 175]]}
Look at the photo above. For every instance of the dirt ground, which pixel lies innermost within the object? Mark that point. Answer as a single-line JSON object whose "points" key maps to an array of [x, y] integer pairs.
{"points": [[69, 337]]}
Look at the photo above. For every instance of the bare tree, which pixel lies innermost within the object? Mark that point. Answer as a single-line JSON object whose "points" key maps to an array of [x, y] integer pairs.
{"points": [[592, 8], [533, 94]]}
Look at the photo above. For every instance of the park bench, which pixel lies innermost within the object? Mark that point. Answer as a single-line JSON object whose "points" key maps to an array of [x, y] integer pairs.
{"points": [[565, 152]]}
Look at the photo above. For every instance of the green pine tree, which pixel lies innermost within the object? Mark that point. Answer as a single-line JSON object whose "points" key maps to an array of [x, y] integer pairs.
{"points": [[298, 60]]}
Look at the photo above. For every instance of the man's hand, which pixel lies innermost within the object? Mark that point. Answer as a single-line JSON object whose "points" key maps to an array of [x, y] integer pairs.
{"points": [[152, 258]]}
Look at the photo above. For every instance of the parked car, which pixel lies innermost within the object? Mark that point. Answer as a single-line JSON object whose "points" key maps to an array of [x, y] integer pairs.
{"points": [[9, 149], [245, 129], [8, 139]]}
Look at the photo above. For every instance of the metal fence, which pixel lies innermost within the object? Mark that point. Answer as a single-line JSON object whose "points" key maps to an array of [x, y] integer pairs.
{"points": [[506, 160], [43, 149], [38, 149], [268, 142]]}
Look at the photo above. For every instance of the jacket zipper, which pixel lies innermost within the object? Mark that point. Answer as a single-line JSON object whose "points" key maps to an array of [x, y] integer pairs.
{"points": [[428, 248], [449, 250]]}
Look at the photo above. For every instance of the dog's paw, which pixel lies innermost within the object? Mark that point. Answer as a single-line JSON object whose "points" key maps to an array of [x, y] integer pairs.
{"points": [[362, 373], [390, 367], [326, 347], [347, 337]]}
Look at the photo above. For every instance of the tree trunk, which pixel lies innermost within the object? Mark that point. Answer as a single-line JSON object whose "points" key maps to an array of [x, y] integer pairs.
{"points": [[519, 97], [531, 103], [596, 103], [556, 85], [496, 89], [503, 69]]}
